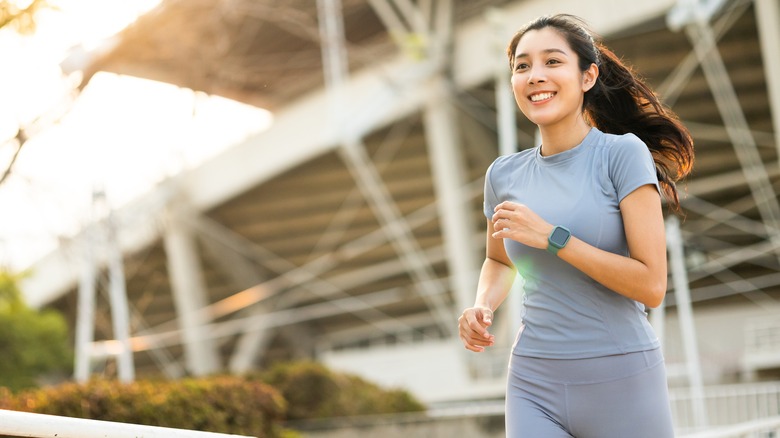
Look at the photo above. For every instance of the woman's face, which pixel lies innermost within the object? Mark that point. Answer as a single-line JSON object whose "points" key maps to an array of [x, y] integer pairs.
{"points": [[547, 82]]}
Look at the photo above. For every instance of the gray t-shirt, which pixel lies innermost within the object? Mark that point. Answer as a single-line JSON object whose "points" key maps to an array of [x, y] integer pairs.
{"points": [[568, 315]]}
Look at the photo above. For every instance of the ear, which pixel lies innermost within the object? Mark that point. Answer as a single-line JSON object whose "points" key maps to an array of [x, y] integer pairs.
{"points": [[589, 77]]}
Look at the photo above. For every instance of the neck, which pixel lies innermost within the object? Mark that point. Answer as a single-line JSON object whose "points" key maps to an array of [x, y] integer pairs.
{"points": [[557, 139]]}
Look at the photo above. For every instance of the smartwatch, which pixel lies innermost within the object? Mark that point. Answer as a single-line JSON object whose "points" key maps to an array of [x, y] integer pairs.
{"points": [[557, 239]]}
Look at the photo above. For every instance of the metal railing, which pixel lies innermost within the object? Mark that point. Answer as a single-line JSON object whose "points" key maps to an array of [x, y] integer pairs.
{"points": [[762, 343], [763, 334], [727, 404], [26, 424], [764, 428]]}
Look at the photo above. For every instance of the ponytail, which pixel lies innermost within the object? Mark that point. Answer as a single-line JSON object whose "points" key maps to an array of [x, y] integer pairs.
{"points": [[620, 102]]}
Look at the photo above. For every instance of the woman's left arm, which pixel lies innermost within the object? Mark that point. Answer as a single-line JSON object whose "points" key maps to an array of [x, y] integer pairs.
{"points": [[641, 277]]}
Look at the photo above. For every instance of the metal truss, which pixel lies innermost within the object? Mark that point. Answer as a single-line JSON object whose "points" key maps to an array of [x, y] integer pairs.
{"points": [[423, 30], [694, 17], [293, 278], [352, 150]]}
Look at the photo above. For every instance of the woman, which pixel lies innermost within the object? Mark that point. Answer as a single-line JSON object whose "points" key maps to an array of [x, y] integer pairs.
{"points": [[580, 218]]}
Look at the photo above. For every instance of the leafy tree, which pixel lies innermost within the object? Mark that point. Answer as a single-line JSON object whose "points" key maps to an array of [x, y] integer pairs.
{"points": [[20, 14], [33, 343]]}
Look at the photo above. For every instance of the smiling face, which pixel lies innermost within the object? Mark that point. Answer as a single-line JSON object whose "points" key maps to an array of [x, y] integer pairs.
{"points": [[547, 82]]}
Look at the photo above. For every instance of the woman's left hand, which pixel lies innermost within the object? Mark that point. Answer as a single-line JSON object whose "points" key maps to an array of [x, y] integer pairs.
{"points": [[519, 223]]}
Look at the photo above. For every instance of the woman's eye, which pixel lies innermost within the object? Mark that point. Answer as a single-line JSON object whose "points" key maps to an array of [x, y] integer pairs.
{"points": [[553, 61], [521, 66]]}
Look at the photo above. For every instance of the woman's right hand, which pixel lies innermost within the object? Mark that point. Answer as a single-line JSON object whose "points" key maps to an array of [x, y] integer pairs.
{"points": [[472, 328]]}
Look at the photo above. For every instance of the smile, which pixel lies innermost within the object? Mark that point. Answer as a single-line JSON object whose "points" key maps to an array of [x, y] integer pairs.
{"points": [[541, 96]]}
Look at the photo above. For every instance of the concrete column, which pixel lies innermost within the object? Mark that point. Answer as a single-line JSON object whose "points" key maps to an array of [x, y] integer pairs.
{"points": [[768, 22], [85, 313], [190, 296], [455, 212], [506, 109], [657, 320], [682, 296], [120, 310]]}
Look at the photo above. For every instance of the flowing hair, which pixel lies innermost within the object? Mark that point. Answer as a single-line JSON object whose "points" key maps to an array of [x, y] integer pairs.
{"points": [[620, 102]]}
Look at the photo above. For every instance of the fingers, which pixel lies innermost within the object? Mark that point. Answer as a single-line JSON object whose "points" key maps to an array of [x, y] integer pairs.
{"points": [[518, 222], [501, 225], [501, 214], [472, 328], [487, 317], [502, 221], [507, 205], [504, 213]]}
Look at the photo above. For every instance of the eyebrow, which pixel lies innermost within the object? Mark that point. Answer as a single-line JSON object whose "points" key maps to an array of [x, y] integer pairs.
{"points": [[525, 55]]}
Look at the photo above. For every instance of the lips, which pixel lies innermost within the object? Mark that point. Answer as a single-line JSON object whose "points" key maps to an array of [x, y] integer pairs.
{"points": [[539, 97]]}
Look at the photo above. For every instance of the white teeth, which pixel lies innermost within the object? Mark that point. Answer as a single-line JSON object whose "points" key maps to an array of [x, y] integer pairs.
{"points": [[541, 96]]}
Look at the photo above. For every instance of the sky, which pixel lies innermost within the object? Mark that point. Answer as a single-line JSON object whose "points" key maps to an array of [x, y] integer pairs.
{"points": [[120, 134]]}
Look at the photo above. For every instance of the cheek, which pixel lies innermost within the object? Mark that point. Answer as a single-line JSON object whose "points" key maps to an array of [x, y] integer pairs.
{"points": [[518, 85]]}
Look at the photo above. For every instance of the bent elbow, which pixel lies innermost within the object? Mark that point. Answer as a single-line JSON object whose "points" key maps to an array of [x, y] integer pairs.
{"points": [[656, 294], [654, 302]]}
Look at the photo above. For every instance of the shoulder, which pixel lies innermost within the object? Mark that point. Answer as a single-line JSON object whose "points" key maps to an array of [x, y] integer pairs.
{"points": [[616, 141], [506, 162], [624, 145], [621, 149]]}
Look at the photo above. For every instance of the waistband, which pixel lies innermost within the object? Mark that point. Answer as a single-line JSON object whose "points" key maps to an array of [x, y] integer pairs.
{"points": [[588, 370]]}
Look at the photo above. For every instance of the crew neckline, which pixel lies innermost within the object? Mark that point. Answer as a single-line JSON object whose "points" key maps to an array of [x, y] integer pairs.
{"points": [[561, 157]]}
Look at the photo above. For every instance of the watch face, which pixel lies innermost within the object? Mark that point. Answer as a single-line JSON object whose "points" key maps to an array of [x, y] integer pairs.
{"points": [[559, 236]]}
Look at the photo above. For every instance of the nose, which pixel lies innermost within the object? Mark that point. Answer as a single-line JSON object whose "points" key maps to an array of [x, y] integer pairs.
{"points": [[536, 75]]}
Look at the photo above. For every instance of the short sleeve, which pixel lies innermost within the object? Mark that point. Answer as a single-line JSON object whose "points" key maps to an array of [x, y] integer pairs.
{"points": [[631, 166], [490, 200]]}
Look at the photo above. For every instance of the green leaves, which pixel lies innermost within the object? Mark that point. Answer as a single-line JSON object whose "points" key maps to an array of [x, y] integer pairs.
{"points": [[314, 391], [226, 404], [33, 343]]}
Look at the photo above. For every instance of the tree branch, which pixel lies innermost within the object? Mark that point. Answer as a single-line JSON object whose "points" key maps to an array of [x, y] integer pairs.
{"points": [[21, 139]]}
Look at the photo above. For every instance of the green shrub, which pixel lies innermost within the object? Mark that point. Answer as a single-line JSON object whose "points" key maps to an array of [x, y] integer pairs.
{"points": [[255, 404], [313, 391], [218, 404]]}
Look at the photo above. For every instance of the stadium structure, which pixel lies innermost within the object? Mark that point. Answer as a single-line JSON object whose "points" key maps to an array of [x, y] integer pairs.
{"points": [[351, 231]]}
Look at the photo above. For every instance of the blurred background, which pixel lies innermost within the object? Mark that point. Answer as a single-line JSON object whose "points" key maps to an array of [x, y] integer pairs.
{"points": [[214, 186]]}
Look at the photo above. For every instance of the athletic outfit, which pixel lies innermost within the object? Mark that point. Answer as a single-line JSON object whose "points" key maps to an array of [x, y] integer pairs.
{"points": [[586, 362]]}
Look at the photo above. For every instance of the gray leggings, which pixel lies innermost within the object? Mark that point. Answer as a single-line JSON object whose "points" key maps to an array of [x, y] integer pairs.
{"points": [[617, 396]]}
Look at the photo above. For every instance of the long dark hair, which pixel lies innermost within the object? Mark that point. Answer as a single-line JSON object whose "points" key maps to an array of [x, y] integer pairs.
{"points": [[620, 102]]}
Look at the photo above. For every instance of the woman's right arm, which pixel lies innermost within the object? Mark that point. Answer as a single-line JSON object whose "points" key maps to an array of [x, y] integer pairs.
{"points": [[495, 281]]}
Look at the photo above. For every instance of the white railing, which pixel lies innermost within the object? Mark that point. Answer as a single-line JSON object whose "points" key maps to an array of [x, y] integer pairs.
{"points": [[763, 334], [25, 424], [491, 365], [764, 428], [727, 404], [762, 344]]}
